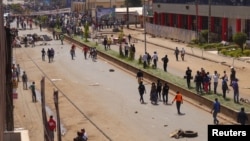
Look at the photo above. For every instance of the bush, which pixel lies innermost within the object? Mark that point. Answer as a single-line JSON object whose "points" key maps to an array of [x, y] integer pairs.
{"points": [[140, 60], [246, 52]]}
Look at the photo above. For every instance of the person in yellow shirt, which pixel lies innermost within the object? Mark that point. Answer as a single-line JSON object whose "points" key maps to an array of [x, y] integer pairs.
{"points": [[179, 100], [109, 43]]}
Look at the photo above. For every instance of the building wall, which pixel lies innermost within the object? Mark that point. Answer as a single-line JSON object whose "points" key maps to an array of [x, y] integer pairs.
{"points": [[216, 10], [104, 3]]}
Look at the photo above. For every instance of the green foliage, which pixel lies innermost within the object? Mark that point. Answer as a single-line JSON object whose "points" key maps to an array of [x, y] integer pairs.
{"points": [[133, 3], [240, 38], [17, 8], [204, 34], [140, 59], [246, 52], [86, 31]]}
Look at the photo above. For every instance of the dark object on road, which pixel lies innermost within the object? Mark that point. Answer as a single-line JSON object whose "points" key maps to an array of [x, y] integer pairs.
{"points": [[111, 70], [181, 133]]}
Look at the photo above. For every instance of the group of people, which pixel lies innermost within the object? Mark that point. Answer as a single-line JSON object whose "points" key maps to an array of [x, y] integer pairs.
{"points": [[203, 82], [158, 92], [50, 53]]}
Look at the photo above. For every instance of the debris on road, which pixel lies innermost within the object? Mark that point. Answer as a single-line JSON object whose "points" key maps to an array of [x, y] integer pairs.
{"points": [[181, 133]]}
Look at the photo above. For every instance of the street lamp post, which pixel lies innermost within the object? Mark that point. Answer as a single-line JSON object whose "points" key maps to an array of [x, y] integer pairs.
{"points": [[209, 21], [144, 25]]}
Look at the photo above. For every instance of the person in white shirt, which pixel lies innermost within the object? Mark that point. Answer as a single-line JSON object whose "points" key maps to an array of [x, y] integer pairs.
{"points": [[182, 54], [144, 60], [216, 77], [155, 59]]}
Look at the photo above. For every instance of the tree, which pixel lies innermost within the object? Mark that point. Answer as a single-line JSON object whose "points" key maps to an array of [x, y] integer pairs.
{"points": [[133, 3], [86, 31], [240, 38]]}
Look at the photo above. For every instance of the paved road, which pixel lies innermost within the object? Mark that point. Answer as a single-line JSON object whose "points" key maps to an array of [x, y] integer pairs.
{"points": [[108, 99]]}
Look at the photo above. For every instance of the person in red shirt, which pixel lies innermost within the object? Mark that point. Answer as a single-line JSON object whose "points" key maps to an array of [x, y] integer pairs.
{"points": [[52, 128], [179, 101], [85, 51]]}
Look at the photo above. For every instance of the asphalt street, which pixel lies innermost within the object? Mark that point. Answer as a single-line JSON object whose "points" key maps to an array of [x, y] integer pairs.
{"points": [[99, 100]]}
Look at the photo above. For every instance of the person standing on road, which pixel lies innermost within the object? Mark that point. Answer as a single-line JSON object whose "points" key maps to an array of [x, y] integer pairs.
{"points": [[179, 100], [145, 60], [74, 49], [142, 91], [49, 55], [155, 60], [52, 128], [242, 116], [33, 90], [139, 76], [153, 94], [62, 38], [40, 25], [235, 86], [52, 54], [216, 77], [232, 75], [159, 89], [224, 87], [43, 54], [129, 38], [18, 71], [165, 62], [85, 51], [176, 52], [182, 54], [72, 53], [105, 42], [198, 82], [215, 110], [188, 76], [149, 58], [165, 90], [25, 81], [126, 49]]}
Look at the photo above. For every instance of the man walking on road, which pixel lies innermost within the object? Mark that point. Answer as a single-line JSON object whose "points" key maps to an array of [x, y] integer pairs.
{"points": [[52, 128], [165, 90], [25, 81], [188, 76], [139, 76], [215, 110], [182, 54], [165, 62], [33, 90], [176, 52], [43, 54], [142, 91], [179, 100], [85, 51], [242, 117]]}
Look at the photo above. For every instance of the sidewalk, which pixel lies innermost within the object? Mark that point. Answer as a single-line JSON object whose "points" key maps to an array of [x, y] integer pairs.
{"points": [[209, 60]]}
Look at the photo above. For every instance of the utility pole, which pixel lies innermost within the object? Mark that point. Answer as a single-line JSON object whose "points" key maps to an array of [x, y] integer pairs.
{"points": [[144, 25], [44, 116], [127, 4], [59, 137], [197, 22], [209, 21]]}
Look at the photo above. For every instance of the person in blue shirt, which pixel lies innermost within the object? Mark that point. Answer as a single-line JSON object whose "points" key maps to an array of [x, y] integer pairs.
{"points": [[215, 110]]}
